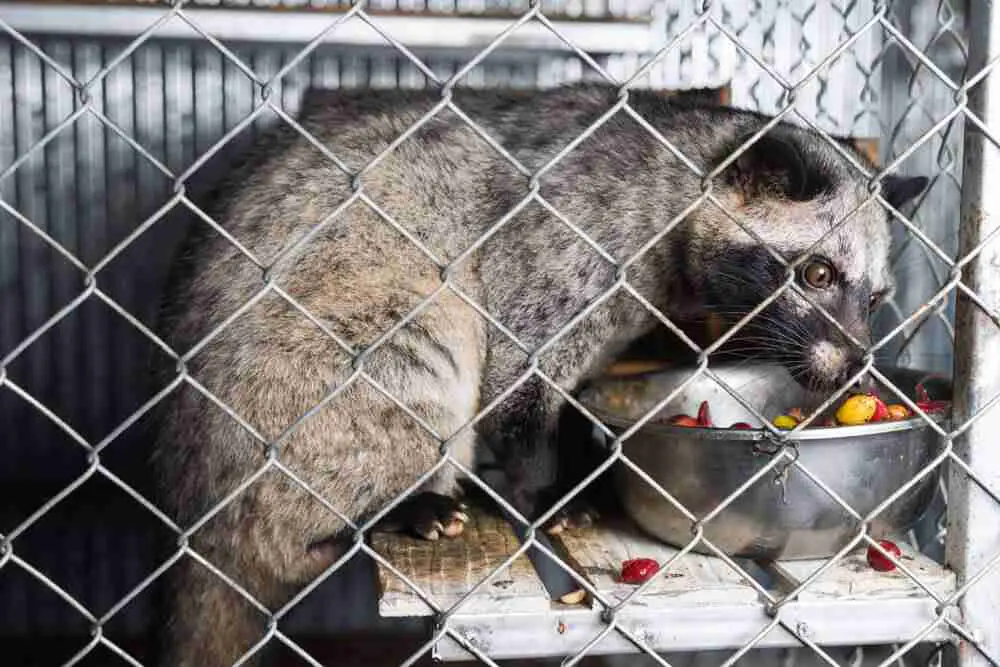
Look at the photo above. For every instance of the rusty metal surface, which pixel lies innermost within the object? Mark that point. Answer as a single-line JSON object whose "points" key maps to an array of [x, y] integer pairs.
{"points": [[974, 499]]}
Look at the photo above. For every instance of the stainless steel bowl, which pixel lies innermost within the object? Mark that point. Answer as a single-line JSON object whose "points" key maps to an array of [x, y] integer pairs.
{"points": [[784, 515]]}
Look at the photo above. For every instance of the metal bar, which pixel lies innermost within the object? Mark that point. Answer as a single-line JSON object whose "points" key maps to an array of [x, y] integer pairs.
{"points": [[565, 632], [416, 31], [974, 517]]}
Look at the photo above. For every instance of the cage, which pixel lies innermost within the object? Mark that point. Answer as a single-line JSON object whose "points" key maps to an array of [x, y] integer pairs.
{"points": [[118, 120]]}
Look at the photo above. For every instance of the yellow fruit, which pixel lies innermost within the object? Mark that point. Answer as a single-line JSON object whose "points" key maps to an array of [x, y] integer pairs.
{"points": [[785, 422], [857, 410], [898, 412]]}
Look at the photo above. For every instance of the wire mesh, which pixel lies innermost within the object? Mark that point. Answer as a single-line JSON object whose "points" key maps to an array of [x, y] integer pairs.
{"points": [[776, 89]]}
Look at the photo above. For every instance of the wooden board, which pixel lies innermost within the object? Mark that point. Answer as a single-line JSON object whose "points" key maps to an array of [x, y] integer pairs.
{"points": [[720, 96], [869, 147], [853, 579], [448, 568], [597, 554], [698, 604]]}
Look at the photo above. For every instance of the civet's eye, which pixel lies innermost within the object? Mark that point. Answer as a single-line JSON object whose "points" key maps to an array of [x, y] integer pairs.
{"points": [[819, 274]]}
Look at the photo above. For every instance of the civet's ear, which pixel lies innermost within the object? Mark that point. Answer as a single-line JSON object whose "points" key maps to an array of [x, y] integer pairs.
{"points": [[775, 167], [898, 190]]}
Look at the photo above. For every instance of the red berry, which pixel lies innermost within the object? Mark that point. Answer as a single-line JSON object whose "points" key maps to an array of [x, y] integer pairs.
{"points": [[683, 420], [881, 409], [931, 407], [743, 426], [926, 404], [638, 570], [898, 412], [878, 561], [704, 418]]}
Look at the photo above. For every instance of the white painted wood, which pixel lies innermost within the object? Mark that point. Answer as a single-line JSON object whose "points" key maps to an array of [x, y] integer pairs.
{"points": [[597, 553], [562, 632], [853, 579], [701, 604]]}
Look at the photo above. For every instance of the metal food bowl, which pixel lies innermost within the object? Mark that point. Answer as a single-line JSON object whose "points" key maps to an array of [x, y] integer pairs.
{"points": [[785, 514]]}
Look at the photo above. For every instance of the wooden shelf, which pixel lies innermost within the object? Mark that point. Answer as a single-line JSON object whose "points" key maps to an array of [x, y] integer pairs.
{"points": [[699, 604]]}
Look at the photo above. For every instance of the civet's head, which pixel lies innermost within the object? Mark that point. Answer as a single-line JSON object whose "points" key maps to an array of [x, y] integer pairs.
{"points": [[792, 188]]}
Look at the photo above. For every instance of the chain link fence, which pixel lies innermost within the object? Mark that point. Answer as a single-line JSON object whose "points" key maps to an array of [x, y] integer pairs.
{"points": [[779, 58]]}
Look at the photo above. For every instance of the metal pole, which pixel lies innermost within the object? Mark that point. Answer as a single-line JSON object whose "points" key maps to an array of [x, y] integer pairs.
{"points": [[974, 517]]}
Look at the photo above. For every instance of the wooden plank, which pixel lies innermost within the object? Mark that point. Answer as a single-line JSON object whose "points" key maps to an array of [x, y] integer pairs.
{"points": [[635, 367], [720, 95], [869, 147], [853, 579], [598, 552], [447, 569]]}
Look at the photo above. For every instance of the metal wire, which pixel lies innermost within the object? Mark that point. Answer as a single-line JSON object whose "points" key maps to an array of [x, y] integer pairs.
{"points": [[707, 18]]}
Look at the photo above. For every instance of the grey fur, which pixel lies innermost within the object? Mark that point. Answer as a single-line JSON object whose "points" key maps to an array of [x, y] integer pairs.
{"points": [[358, 277]]}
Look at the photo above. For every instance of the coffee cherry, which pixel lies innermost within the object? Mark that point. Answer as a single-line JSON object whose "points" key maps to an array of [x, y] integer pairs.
{"points": [[858, 409], [638, 570], [877, 561]]}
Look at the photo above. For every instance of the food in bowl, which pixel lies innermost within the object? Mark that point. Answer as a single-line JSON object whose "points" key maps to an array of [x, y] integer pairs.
{"points": [[861, 409], [867, 408], [787, 422], [703, 420], [785, 514], [898, 412], [855, 410]]}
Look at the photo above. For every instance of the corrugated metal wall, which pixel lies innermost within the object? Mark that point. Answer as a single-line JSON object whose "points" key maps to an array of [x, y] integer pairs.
{"points": [[88, 189]]}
